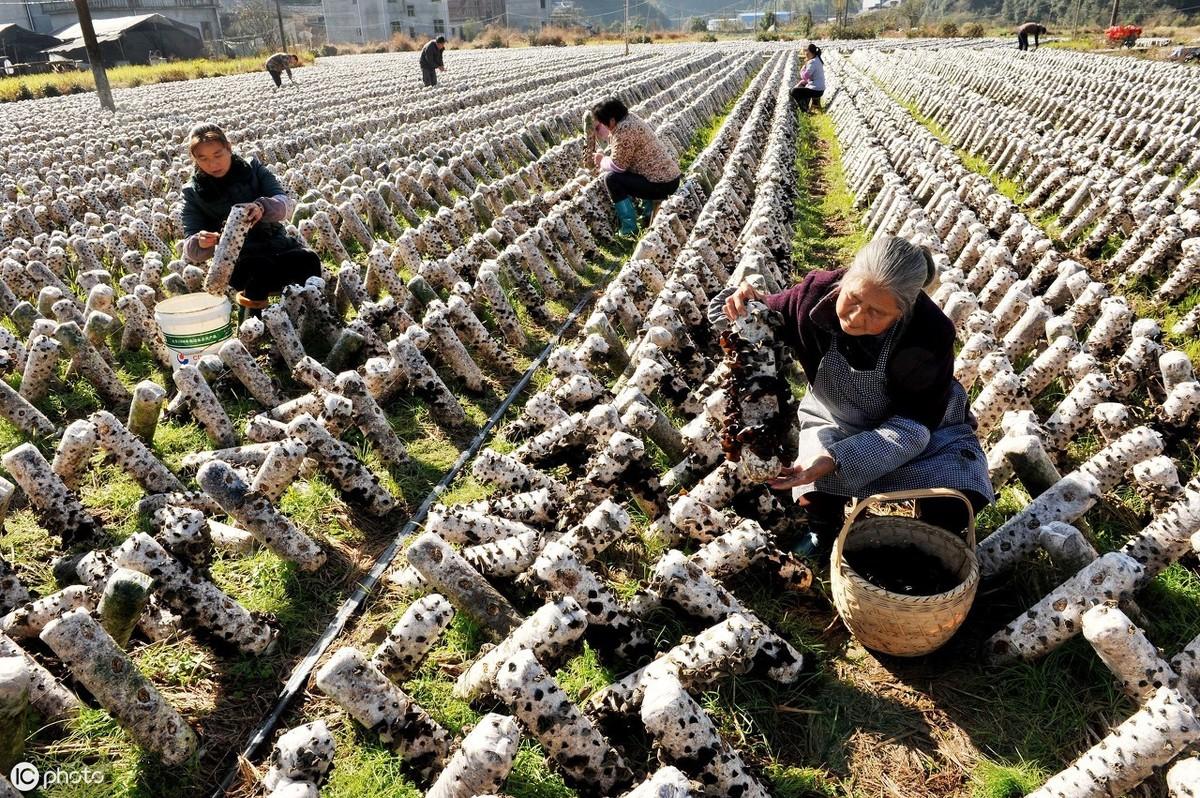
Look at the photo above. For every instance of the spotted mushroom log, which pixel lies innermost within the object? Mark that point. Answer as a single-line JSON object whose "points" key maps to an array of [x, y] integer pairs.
{"points": [[99, 664], [417, 631], [588, 762], [1131, 752], [258, 515], [382, 707], [453, 576], [482, 761]]}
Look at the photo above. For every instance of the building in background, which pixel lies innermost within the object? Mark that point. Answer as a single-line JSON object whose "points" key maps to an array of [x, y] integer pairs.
{"points": [[20, 45], [133, 39], [363, 21], [51, 16], [753, 20], [528, 14], [357, 21]]}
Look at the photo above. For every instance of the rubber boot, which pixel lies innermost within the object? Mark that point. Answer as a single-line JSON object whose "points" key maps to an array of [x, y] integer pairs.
{"points": [[816, 539], [648, 207], [628, 217]]}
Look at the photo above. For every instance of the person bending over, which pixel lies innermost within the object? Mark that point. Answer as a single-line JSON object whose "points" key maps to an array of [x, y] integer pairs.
{"points": [[431, 60], [1033, 29], [280, 63]]}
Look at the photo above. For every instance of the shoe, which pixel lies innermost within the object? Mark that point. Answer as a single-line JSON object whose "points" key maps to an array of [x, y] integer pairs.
{"points": [[628, 217], [815, 541], [807, 544], [646, 212]]}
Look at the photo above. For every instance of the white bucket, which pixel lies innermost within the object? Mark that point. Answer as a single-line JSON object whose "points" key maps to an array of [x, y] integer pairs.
{"points": [[192, 325]]}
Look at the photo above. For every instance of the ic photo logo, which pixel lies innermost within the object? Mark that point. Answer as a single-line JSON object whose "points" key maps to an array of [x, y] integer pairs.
{"points": [[26, 777]]}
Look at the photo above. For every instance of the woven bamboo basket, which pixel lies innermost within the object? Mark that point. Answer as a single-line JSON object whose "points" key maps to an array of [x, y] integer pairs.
{"points": [[895, 623]]}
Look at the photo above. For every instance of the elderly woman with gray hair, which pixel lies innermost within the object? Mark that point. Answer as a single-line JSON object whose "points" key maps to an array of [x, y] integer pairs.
{"points": [[883, 411]]}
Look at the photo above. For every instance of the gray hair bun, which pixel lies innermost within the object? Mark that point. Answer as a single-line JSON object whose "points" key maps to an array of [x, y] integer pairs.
{"points": [[896, 265]]}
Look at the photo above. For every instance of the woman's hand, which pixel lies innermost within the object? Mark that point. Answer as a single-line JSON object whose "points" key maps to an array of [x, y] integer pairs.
{"points": [[792, 476], [735, 305], [597, 158], [206, 239], [254, 212]]}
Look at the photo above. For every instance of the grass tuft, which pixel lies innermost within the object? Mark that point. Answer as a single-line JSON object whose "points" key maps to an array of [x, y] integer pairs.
{"points": [[995, 780]]}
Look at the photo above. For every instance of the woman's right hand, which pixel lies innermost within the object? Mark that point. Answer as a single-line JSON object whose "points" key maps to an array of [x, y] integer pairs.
{"points": [[735, 305], [206, 239]]}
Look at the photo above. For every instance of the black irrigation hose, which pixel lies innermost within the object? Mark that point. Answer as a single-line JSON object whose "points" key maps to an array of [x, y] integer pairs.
{"points": [[351, 605]]}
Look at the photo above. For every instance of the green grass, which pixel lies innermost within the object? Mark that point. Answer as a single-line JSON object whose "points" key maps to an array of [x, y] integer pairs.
{"points": [[828, 230], [994, 780], [703, 137], [52, 85], [584, 674], [792, 782]]}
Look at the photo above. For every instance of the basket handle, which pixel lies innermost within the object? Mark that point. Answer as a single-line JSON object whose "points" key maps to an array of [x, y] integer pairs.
{"points": [[898, 496]]}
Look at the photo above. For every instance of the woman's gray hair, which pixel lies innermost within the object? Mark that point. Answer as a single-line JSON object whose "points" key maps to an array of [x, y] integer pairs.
{"points": [[896, 265]]}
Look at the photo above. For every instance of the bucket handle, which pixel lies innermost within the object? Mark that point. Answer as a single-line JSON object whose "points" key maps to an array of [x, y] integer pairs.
{"points": [[898, 496]]}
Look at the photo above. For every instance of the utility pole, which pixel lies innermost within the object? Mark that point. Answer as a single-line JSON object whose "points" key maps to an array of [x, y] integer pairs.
{"points": [[1116, 12], [626, 27], [93, 51], [282, 38]]}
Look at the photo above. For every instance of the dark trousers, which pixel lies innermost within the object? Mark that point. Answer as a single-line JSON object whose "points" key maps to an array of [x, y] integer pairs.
{"points": [[276, 76], [261, 275], [429, 76], [1022, 41], [622, 185], [827, 512], [803, 95]]}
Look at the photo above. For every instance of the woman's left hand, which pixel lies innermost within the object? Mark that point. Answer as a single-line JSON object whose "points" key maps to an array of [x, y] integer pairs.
{"points": [[254, 212], [793, 476], [597, 158]]}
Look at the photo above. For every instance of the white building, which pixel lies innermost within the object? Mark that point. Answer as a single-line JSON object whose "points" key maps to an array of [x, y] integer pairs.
{"points": [[357, 21], [527, 14], [362, 21]]}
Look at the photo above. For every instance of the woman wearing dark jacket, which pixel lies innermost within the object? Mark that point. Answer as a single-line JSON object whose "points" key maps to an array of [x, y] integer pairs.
{"points": [[883, 411], [270, 258]]}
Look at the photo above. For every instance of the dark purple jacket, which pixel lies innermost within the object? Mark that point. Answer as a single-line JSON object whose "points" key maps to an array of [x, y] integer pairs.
{"points": [[920, 370]]}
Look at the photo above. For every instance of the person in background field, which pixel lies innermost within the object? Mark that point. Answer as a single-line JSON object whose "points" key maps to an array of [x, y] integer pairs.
{"points": [[431, 60], [640, 164], [1034, 29], [270, 259], [280, 63], [883, 411], [812, 79]]}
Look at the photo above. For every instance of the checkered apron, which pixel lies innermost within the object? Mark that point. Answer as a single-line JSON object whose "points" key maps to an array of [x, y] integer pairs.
{"points": [[844, 401]]}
